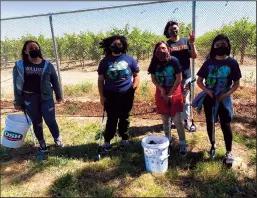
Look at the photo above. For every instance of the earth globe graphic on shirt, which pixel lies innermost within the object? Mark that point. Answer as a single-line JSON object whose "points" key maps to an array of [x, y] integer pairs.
{"points": [[119, 70]]}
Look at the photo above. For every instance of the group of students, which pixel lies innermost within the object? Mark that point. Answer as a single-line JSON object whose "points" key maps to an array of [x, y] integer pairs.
{"points": [[35, 80]]}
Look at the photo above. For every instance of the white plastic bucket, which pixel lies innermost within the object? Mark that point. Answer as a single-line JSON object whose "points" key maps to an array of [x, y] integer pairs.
{"points": [[16, 127], [156, 155]]}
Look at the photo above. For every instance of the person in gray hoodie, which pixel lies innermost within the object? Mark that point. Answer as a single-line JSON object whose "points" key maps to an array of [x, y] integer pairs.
{"points": [[34, 80]]}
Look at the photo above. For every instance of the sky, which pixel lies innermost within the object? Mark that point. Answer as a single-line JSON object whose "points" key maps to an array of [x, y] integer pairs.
{"points": [[24, 8], [209, 15]]}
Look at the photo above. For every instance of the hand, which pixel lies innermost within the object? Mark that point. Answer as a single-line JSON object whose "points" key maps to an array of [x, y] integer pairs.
{"points": [[102, 100], [192, 37], [209, 93], [59, 100], [163, 92], [135, 87], [18, 108], [221, 97], [186, 87], [168, 98]]}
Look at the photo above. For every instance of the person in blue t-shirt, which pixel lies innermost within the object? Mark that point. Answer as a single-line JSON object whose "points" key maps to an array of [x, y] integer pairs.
{"points": [[117, 81], [183, 49], [222, 78]]}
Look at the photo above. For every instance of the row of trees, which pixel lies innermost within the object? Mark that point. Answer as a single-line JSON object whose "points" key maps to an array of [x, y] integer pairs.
{"points": [[242, 35], [85, 45]]}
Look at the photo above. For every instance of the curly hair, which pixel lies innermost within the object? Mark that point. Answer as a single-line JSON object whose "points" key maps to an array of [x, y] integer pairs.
{"points": [[106, 43]]}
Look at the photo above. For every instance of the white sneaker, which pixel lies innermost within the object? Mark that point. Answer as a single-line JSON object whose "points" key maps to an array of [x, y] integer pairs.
{"points": [[229, 158]]}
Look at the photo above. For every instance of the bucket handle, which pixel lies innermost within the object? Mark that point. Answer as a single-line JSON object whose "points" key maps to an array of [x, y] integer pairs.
{"points": [[162, 158]]}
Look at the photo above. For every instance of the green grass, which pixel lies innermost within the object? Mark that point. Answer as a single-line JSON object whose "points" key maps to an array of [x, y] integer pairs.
{"points": [[249, 142], [81, 89], [71, 171]]}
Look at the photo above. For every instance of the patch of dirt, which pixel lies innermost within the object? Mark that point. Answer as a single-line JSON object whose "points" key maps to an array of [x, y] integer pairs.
{"points": [[245, 111]]}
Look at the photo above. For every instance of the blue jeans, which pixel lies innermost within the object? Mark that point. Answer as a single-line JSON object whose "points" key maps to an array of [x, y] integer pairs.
{"points": [[37, 110], [186, 74]]}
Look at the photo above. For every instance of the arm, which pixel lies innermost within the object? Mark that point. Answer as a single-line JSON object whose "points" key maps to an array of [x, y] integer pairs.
{"points": [[235, 86], [193, 51], [201, 86], [156, 83], [136, 79], [163, 92], [100, 88], [56, 85], [17, 96], [176, 84]]}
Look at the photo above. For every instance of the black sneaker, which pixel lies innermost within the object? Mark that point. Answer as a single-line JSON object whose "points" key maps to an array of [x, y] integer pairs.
{"points": [[170, 145], [124, 143], [43, 149], [183, 150], [59, 143], [107, 147], [187, 125]]}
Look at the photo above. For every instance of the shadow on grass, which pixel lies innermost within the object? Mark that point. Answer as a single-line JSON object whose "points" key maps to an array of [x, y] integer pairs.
{"points": [[102, 178], [139, 131]]}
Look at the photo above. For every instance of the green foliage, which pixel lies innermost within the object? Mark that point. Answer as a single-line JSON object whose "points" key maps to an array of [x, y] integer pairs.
{"points": [[84, 46], [242, 35]]}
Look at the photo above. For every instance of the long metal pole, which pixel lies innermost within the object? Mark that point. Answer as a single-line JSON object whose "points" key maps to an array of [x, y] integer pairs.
{"points": [[193, 61], [56, 53]]}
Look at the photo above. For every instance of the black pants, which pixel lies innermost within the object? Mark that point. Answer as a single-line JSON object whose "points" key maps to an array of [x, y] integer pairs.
{"points": [[225, 121], [118, 107], [37, 110]]}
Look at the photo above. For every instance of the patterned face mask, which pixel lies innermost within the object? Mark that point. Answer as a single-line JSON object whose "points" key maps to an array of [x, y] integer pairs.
{"points": [[162, 55]]}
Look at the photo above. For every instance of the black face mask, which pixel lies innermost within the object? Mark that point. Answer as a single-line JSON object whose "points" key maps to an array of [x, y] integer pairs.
{"points": [[34, 53], [173, 32], [221, 51], [116, 49]]}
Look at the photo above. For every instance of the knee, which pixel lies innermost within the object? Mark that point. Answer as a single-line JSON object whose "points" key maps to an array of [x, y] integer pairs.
{"points": [[38, 124], [50, 121]]}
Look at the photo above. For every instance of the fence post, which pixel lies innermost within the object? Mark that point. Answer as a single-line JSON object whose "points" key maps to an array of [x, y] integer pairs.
{"points": [[56, 53], [193, 61]]}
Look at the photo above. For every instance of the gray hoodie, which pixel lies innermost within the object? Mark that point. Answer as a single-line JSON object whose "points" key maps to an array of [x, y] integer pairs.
{"points": [[49, 82]]}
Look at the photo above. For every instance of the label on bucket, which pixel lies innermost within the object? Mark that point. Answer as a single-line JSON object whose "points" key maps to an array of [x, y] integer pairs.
{"points": [[12, 136]]}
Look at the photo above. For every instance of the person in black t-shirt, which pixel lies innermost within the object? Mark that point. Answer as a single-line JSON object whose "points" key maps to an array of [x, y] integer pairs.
{"points": [[34, 80], [183, 49]]}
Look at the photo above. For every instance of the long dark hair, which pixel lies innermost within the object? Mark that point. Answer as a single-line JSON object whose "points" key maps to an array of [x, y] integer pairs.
{"points": [[212, 54], [106, 43], [170, 23], [155, 60], [25, 56]]}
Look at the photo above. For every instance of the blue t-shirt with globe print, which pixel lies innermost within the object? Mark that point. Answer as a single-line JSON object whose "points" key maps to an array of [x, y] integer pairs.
{"points": [[118, 72], [220, 74], [166, 74]]}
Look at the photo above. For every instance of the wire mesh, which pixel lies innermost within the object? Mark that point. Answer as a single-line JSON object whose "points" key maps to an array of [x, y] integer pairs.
{"points": [[78, 35]]}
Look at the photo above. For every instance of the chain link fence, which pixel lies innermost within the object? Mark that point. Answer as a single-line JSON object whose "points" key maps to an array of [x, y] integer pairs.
{"points": [[77, 35]]}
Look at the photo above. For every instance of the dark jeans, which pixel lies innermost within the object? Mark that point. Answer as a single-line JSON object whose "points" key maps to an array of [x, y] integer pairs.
{"points": [[118, 107], [37, 109], [225, 120]]}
